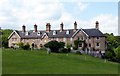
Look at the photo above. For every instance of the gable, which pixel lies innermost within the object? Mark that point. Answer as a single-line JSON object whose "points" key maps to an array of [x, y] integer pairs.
{"points": [[79, 32], [14, 33], [45, 35]]}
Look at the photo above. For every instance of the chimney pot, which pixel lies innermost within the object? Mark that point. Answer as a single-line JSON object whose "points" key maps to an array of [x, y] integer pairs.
{"points": [[75, 26], [35, 28], [61, 27], [48, 27], [23, 29], [97, 25]]}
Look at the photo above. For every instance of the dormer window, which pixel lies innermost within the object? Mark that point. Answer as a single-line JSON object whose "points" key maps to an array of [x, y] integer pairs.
{"points": [[27, 33], [54, 32], [39, 33], [67, 32]]}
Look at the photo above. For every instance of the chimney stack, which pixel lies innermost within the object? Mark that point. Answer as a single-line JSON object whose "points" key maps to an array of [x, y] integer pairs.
{"points": [[48, 27], [35, 28], [97, 25], [61, 27], [75, 26], [23, 29]]}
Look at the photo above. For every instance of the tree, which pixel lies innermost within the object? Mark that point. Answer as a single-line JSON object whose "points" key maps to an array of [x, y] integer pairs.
{"points": [[53, 45], [61, 44], [5, 34], [111, 41], [113, 49], [117, 54]]}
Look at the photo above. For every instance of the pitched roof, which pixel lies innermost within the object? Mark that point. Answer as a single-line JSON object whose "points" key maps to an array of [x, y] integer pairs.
{"points": [[58, 34], [93, 32]]}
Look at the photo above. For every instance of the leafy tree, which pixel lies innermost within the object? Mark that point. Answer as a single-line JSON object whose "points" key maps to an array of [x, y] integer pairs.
{"points": [[5, 35], [113, 47], [53, 45], [117, 53], [111, 41]]}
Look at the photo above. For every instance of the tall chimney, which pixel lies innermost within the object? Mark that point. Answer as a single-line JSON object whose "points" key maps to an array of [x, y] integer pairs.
{"points": [[61, 27], [48, 27], [75, 26], [35, 28], [97, 25], [23, 29]]}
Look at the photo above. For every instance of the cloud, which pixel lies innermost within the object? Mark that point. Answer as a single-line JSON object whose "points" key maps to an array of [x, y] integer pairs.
{"points": [[108, 23], [15, 13]]}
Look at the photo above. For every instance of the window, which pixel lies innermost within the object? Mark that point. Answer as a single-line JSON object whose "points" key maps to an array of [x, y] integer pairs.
{"points": [[67, 32], [80, 45], [82, 38], [97, 44], [54, 33], [70, 39], [64, 39], [98, 38], [38, 33], [89, 45], [14, 39]]}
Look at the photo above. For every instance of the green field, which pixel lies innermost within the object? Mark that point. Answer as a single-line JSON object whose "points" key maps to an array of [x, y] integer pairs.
{"points": [[39, 62]]}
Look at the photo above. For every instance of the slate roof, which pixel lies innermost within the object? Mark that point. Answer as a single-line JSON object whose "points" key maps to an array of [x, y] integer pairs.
{"points": [[89, 32], [93, 32]]}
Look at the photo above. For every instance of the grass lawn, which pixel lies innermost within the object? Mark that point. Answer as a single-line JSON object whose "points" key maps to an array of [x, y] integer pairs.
{"points": [[39, 62]]}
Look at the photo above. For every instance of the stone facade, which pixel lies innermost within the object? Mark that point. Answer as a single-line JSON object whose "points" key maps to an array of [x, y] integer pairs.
{"points": [[96, 42]]}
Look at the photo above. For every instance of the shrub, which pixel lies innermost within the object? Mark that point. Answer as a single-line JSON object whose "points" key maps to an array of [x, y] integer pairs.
{"points": [[76, 43], [117, 54], [20, 44], [64, 50], [54, 46], [61, 44], [26, 47], [75, 48]]}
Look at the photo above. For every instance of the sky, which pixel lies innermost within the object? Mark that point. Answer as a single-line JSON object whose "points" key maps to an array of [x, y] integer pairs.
{"points": [[15, 13]]}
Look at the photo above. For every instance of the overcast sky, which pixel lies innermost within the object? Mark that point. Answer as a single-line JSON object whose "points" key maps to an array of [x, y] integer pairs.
{"points": [[15, 13]]}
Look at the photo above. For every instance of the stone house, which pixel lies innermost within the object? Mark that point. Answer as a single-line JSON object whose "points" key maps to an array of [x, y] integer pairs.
{"points": [[94, 38]]}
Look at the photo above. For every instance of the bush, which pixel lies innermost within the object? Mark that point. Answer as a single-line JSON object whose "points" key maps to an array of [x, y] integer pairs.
{"points": [[54, 46], [75, 48], [76, 43], [61, 44], [64, 50], [20, 44], [117, 54], [110, 55], [26, 47]]}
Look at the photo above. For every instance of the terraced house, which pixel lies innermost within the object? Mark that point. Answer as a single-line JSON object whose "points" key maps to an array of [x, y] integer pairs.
{"points": [[94, 38]]}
